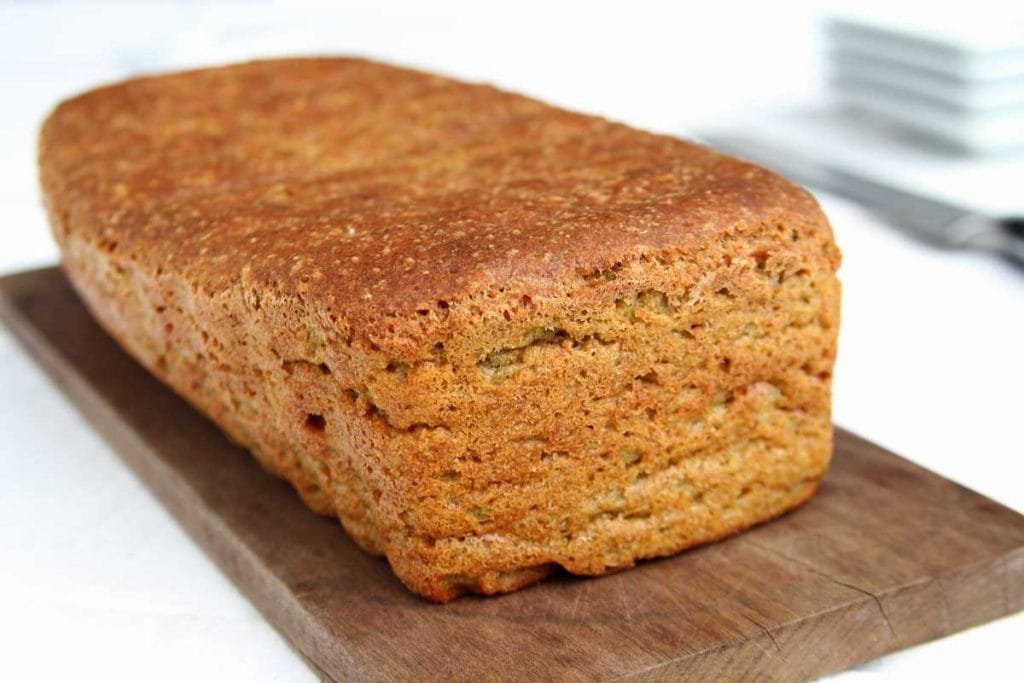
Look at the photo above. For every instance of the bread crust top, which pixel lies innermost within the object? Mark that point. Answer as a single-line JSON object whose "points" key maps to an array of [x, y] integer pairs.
{"points": [[376, 193]]}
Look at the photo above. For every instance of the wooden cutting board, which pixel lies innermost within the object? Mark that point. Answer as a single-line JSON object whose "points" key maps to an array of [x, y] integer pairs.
{"points": [[885, 556]]}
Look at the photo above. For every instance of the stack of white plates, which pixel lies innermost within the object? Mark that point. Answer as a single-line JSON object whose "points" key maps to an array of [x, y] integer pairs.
{"points": [[956, 77]]}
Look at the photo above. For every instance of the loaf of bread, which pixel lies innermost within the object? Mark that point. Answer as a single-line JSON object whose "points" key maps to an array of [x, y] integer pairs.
{"points": [[491, 336]]}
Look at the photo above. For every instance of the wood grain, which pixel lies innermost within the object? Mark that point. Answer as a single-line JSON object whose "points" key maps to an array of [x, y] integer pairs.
{"points": [[885, 556]]}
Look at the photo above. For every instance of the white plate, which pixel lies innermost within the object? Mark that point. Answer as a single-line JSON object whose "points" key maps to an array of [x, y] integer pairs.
{"points": [[945, 89], [966, 42]]}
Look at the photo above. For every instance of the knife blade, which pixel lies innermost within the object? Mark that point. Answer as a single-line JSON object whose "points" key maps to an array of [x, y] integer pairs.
{"points": [[930, 219]]}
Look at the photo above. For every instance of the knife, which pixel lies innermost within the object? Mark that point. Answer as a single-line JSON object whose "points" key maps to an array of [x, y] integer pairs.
{"points": [[930, 219]]}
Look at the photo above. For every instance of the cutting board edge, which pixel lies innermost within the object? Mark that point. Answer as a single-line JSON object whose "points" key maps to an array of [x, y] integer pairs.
{"points": [[325, 654]]}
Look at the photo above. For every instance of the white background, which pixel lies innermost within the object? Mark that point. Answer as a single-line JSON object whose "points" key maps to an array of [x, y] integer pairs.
{"points": [[97, 581]]}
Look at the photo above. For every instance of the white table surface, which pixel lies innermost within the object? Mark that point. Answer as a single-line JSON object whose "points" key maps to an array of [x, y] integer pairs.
{"points": [[97, 581]]}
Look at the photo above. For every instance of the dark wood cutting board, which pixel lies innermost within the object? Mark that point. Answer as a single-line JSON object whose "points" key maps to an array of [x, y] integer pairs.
{"points": [[885, 556]]}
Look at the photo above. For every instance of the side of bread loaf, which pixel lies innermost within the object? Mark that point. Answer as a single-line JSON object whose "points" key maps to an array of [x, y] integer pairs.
{"points": [[492, 337]]}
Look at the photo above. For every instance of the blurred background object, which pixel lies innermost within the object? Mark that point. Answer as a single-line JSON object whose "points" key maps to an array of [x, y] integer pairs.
{"points": [[924, 123], [956, 76], [929, 363]]}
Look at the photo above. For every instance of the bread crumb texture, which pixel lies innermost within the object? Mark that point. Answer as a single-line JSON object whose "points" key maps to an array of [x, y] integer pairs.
{"points": [[492, 337]]}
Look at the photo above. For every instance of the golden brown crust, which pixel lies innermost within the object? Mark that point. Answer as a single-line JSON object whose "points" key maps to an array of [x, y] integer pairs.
{"points": [[388, 178], [479, 329]]}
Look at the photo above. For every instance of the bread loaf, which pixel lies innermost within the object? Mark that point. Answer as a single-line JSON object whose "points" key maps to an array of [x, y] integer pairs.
{"points": [[491, 336]]}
